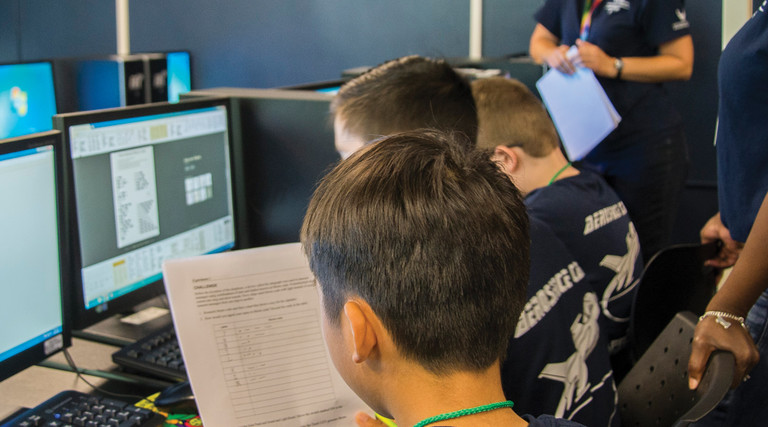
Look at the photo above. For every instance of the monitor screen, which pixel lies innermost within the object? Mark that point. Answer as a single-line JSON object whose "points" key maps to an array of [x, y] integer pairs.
{"points": [[149, 183], [179, 74], [27, 98], [31, 265]]}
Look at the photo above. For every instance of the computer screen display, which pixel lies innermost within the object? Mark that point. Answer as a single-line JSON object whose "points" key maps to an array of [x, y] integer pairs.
{"points": [[179, 74], [27, 98], [149, 183], [31, 264]]}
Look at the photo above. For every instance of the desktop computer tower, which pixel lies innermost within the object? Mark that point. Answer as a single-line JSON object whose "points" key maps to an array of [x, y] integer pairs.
{"points": [[121, 80]]}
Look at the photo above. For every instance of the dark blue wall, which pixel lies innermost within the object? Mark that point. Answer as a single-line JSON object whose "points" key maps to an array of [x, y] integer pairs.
{"points": [[9, 51], [507, 26], [268, 43]]}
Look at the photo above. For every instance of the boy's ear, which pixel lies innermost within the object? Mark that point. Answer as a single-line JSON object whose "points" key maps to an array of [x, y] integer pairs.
{"points": [[508, 158], [359, 316]]}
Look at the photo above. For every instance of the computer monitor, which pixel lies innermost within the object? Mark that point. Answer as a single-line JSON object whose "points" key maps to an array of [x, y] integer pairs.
{"points": [[288, 145], [32, 255], [27, 98], [146, 183], [179, 74]]}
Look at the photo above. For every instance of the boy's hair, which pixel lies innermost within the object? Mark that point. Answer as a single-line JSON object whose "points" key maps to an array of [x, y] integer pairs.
{"points": [[433, 238], [405, 94], [510, 114]]}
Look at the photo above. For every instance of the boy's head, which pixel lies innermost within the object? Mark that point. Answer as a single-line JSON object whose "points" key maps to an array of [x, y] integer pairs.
{"points": [[404, 94], [429, 242], [509, 114]]}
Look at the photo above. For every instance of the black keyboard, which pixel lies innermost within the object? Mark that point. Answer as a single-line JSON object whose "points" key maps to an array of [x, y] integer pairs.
{"points": [[74, 408], [157, 354]]}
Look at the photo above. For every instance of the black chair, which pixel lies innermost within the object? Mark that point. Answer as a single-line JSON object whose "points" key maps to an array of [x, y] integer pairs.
{"points": [[655, 391], [674, 280]]}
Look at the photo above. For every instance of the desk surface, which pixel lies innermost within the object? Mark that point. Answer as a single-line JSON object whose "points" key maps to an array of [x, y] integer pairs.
{"points": [[36, 384]]}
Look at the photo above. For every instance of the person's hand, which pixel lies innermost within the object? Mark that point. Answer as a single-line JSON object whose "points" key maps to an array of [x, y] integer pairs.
{"points": [[364, 420], [595, 59], [713, 231], [558, 60], [710, 336]]}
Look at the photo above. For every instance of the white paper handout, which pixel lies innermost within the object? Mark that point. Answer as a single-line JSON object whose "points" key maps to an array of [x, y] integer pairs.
{"points": [[248, 324], [580, 109]]}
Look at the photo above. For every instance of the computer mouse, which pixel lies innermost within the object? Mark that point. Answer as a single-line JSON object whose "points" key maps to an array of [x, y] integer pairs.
{"points": [[177, 398]]}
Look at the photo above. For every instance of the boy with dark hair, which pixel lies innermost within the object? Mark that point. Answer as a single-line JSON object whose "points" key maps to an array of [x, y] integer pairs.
{"points": [[579, 206], [420, 250], [404, 94]]}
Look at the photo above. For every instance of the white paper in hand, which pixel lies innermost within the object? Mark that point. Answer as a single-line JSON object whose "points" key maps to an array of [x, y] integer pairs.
{"points": [[580, 109], [248, 324]]}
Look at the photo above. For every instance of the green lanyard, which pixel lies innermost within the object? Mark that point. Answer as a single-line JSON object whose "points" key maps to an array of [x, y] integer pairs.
{"points": [[463, 412], [558, 173]]}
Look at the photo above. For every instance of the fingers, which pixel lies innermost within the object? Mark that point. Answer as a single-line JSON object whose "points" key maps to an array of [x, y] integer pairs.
{"points": [[364, 420], [700, 352], [557, 59], [746, 359], [710, 336]]}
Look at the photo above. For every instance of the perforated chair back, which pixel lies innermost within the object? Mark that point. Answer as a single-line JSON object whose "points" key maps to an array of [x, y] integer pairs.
{"points": [[655, 391], [674, 280]]}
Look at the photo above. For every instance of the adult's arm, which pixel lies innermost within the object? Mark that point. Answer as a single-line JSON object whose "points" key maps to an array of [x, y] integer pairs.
{"points": [[673, 62], [545, 47], [738, 294]]}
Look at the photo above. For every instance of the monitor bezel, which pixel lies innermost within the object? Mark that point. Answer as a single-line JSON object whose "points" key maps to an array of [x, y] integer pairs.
{"points": [[36, 353], [82, 318]]}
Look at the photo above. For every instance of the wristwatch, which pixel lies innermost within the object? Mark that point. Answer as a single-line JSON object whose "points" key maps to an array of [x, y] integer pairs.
{"points": [[618, 64]]}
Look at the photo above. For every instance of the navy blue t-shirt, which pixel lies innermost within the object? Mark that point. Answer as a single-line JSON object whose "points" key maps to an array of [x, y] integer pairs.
{"points": [[625, 28], [588, 217], [742, 133], [549, 421], [557, 363]]}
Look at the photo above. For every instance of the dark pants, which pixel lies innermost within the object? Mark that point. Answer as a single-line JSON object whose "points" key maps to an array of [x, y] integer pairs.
{"points": [[648, 174]]}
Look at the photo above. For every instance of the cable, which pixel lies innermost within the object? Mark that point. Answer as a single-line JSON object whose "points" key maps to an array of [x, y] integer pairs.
{"points": [[95, 387]]}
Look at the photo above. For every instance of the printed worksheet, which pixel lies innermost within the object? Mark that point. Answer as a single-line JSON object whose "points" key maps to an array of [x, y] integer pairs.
{"points": [[248, 324], [134, 194]]}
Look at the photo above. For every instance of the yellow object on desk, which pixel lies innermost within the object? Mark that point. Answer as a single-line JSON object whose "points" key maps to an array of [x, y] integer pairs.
{"points": [[387, 421], [171, 420]]}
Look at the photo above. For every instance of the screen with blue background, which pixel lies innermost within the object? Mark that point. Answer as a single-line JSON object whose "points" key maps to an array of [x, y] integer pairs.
{"points": [[179, 75], [27, 99]]}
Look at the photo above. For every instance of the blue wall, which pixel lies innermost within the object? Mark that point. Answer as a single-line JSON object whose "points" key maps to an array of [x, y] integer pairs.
{"points": [[267, 43]]}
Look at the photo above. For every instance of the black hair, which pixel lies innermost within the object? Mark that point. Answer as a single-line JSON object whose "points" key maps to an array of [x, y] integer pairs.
{"points": [[433, 237], [405, 94]]}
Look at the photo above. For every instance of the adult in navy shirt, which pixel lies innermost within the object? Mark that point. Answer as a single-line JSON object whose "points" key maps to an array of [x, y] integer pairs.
{"points": [[578, 206], [742, 156], [632, 46], [557, 362]]}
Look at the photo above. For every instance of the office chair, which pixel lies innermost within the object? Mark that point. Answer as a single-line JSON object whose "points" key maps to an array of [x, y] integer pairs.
{"points": [[674, 280], [655, 391]]}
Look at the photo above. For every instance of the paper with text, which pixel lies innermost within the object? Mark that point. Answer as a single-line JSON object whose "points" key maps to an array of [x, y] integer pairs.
{"points": [[580, 109], [249, 327]]}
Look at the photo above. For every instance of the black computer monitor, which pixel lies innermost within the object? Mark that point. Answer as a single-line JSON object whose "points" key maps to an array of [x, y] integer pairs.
{"points": [[146, 183], [32, 252], [27, 98], [287, 146]]}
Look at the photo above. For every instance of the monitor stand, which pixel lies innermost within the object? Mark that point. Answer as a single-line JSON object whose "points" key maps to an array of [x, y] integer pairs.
{"points": [[124, 329]]}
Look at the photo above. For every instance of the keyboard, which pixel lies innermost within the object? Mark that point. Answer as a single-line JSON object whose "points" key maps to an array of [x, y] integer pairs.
{"points": [[77, 409], [157, 354]]}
